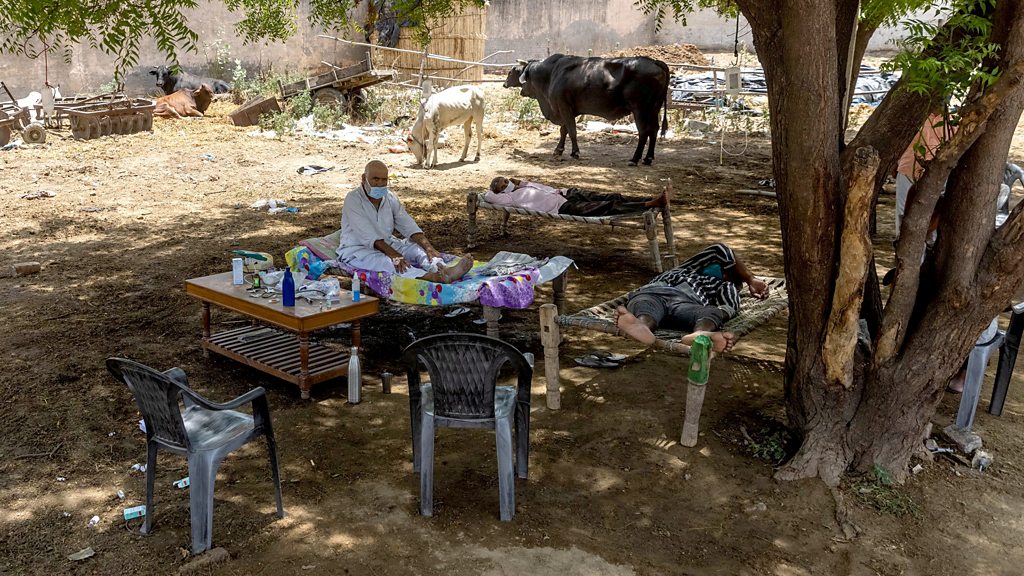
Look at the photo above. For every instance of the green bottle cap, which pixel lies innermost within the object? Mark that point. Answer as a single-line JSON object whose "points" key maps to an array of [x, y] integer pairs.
{"points": [[700, 352]]}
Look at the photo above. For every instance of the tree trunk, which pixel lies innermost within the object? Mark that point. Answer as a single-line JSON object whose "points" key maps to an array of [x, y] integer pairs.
{"points": [[864, 401]]}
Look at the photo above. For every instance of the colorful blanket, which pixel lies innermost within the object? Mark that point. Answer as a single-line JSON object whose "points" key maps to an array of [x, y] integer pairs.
{"points": [[505, 281]]}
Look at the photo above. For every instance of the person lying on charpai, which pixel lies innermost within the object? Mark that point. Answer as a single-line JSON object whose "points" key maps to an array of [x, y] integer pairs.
{"points": [[571, 201], [696, 297]]}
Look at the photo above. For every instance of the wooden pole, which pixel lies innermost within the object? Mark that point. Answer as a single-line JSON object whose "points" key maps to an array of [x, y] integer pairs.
{"points": [[697, 379], [550, 339]]}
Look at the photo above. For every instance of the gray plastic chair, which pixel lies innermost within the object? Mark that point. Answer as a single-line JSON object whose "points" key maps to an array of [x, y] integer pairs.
{"points": [[204, 432], [463, 393]]}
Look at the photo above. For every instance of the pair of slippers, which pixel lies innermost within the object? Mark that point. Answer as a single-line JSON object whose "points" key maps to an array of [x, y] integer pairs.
{"points": [[601, 359]]}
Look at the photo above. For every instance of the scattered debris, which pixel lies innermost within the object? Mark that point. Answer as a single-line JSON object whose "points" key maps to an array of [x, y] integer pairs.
{"points": [[134, 512], [61, 479], [966, 440], [267, 203], [280, 209], [120, 494], [311, 169], [598, 126], [208, 157], [981, 460], [94, 521], [756, 508], [82, 554], [917, 469], [9, 146], [181, 484], [139, 467], [38, 194], [142, 425], [65, 514]]}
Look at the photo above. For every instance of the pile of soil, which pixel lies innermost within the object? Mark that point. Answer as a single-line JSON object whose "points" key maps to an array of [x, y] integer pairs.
{"points": [[671, 53]]}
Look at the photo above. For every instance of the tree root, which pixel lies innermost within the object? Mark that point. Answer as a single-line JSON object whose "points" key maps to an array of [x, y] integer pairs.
{"points": [[843, 515]]}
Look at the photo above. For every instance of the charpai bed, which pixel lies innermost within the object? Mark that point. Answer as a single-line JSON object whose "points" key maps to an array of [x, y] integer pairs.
{"points": [[506, 281], [753, 313], [646, 221]]}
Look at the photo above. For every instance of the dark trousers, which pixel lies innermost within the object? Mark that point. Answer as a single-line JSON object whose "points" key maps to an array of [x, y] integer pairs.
{"points": [[674, 309], [586, 203]]}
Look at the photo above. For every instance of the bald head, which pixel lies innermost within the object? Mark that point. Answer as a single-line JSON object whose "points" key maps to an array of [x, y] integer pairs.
{"points": [[375, 173]]}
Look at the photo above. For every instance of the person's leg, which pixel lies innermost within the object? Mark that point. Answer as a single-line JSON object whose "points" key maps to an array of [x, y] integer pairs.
{"points": [[586, 203], [432, 271], [641, 316], [699, 320]]}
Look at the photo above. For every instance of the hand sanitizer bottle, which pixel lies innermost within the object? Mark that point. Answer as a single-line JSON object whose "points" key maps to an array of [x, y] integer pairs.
{"points": [[355, 287]]}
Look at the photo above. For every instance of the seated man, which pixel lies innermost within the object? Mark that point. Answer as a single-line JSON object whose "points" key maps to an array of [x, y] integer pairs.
{"points": [[369, 218], [696, 297], [535, 196]]}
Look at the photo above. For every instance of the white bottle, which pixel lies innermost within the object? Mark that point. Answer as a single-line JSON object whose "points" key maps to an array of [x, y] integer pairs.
{"points": [[355, 377], [236, 271], [355, 288]]}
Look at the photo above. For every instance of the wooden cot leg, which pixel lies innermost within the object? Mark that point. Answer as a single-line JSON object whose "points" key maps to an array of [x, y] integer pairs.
{"points": [[204, 319], [697, 379], [504, 223], [666, 220], [559, 285], [472, 203], [492, 314], [304, 382], [651, 230], [550, 339]]}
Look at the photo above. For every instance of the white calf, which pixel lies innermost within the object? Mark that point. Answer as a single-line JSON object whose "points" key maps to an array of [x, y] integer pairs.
{"points": [[457, 105]]}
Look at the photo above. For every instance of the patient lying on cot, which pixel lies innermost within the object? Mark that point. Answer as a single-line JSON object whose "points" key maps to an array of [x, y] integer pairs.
{"points": [[369, 218], [696, 297], [570, 201]]}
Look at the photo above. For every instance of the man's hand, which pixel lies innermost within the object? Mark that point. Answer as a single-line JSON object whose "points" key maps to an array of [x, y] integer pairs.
{"points": [[400, 264], [758, 288]]}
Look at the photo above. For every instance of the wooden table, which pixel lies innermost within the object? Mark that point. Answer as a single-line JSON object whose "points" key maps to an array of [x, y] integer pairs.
{"points": [[286, 354]]}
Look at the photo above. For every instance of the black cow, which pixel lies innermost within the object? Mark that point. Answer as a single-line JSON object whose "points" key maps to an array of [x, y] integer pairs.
{"points": [[568, 86], [171, 83]]}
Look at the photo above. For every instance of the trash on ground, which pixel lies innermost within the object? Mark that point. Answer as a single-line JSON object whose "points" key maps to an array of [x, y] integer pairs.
{"points": [[267, 203], [65, 514], [61, 479], [981, 460], [9, 146], [139, 467], [181, 484], [282, 209], [457, 312], [82, 554], [38, 194], [142, 425], [591, 361], [134, 512], [94, 521], [311, 169], [597, 126], [208, 157], [120, 494], [917, 469]]}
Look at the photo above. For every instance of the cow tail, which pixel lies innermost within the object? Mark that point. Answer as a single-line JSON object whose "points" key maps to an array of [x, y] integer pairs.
{"points": [[668, 92]]}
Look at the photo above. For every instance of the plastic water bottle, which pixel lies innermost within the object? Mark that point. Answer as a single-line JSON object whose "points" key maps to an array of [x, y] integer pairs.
{"points": [[355, 377], [288, 289], [355, 287]]}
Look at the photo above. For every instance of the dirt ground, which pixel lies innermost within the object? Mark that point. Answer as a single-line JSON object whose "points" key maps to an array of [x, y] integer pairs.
{"points": [[610, 490]]}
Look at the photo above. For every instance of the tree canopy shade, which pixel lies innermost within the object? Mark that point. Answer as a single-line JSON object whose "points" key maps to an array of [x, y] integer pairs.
{"points": [[118, 27]]}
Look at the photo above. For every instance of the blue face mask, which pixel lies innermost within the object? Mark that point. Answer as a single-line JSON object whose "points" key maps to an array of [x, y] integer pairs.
{"points": [[377, 192]]}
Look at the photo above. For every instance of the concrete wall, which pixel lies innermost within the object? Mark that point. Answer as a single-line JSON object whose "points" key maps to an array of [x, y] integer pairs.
{"points": [[89, 68]]}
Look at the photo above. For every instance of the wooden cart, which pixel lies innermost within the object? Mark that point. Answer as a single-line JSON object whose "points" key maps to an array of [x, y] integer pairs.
{"points": [[340, 84]]}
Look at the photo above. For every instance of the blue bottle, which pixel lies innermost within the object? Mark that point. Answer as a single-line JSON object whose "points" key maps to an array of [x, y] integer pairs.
{"points": [[288, 289]]}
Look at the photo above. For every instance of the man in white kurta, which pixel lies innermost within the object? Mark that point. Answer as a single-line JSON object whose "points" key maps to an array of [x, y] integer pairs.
{"points": [[370, 217]]}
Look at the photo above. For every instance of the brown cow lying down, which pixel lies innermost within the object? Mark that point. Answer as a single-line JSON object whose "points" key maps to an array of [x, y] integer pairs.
{"points": [[184, 103]]}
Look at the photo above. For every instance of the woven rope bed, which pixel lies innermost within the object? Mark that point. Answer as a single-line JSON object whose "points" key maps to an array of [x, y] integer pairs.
{"points": [[646, 221], [753, 313]]}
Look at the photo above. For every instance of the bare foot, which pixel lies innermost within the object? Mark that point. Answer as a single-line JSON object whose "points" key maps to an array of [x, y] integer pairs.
{"points": [[633, 327], [455, 272], [720, 341], [659, 201]]}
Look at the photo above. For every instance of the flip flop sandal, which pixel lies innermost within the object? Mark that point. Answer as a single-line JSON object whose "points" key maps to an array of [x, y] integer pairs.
{"points": [[609, 356], [483, 320], [457, 312], [592, 361]]}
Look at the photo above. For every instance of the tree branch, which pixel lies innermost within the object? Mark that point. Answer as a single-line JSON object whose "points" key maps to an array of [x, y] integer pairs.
{"points": [[854, 256]]}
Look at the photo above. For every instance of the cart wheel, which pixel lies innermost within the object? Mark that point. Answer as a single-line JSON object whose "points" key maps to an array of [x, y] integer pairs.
{"points": [[34, 134], [329, 97]]}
